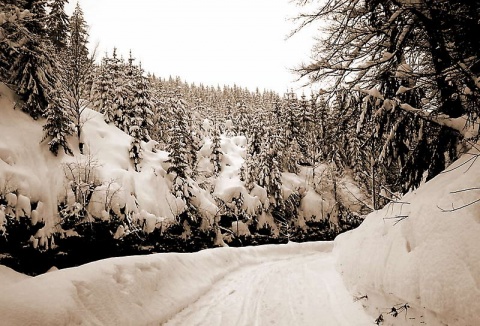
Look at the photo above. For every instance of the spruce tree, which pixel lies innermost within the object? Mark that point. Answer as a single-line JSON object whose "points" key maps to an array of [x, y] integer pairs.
{"points": [[77, 70], [179, 162], [180, 116], [104, 90], [58, 24], [33, 71], [58, 125], [139, 115], [216, 157], [12, 35], [120, 93]]}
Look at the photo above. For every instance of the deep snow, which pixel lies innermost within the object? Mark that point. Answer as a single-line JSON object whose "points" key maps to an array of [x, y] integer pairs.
{"points": [[30, 174], [302, 289], [430, 260], [281, 285]]}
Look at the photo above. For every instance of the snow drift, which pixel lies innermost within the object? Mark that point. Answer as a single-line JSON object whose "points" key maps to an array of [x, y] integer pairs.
{"points": [[422, 250]]}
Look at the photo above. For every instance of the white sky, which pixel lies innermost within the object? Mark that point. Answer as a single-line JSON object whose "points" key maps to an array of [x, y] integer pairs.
{"points": [[208, 41]]}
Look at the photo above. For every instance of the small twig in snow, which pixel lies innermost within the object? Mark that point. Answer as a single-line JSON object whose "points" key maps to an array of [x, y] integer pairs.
{"points": [[473, 158], [453, 209], [399, 218], [358, 298]]}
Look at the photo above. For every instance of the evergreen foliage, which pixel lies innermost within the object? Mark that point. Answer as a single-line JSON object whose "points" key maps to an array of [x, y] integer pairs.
{"points": [[33, 69], [410, 65], [77, 70], [58, 24], [58, 126], [139, 114], [216, 157]]}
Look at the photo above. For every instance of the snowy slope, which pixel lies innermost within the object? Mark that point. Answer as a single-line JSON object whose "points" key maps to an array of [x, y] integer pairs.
{"points": [[26, 165], [9, 277], [430, 259], [31, 176]]}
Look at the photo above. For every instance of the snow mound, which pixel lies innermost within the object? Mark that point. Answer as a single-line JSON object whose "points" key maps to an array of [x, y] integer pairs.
{"points": [[9, 277], [34, 181], [137, 290], [424, 249], [25, 167]]}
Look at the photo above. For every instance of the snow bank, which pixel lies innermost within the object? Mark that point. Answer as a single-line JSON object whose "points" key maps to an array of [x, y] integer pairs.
{"points": [[136, 290], [8, 277], [429, 259], [26, 168], [32, 177], [147, 190]]}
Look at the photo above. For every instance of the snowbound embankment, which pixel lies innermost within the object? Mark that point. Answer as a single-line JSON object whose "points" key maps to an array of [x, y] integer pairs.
{"points": [[136, 290], [423, 250], [35, 181]]}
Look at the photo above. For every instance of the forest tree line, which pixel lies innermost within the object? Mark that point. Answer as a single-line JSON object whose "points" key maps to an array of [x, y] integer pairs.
{"points": [[399, 99]]}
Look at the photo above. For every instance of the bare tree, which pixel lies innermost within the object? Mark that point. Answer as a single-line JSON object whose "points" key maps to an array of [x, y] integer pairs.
{"points": [[413, 64]]}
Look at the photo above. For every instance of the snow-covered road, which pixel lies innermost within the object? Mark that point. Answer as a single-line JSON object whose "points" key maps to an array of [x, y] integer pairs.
{"points": [[298, 290], [293, 284]]}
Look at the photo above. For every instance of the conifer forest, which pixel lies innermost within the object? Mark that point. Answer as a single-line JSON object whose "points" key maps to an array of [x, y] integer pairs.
{"points": [[398, 103]]}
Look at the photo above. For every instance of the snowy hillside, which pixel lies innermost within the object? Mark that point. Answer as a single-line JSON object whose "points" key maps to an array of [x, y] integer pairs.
{"points": [[422, 270], [101, 184], [31, 175], [422, 250]]}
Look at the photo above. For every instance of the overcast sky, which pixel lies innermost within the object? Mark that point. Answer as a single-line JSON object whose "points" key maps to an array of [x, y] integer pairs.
{"points": [[208, 41]]}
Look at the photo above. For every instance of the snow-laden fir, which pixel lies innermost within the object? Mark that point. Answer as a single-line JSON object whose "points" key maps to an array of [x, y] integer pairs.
{"points": [[418, 255]]}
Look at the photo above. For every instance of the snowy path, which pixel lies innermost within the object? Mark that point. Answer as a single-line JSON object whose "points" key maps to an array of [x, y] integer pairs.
{"points": [[301, 290], [293, 284]]}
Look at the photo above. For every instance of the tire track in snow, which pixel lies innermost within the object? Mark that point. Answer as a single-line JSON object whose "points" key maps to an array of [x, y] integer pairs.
{"points": [[299, 290]]}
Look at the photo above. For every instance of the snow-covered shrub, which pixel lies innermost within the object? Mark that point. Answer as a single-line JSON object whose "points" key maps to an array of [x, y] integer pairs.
{"points": [[81, 182]]}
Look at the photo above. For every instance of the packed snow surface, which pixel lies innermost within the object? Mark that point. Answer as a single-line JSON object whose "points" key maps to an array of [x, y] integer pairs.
{"points": [[282, 285]]}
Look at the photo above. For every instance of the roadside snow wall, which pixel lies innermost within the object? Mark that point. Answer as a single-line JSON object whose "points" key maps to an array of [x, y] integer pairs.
{"points": [[431, 258]]}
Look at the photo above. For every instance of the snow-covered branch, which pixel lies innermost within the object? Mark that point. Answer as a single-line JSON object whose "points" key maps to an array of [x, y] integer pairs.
{"points": [[466, 127]]}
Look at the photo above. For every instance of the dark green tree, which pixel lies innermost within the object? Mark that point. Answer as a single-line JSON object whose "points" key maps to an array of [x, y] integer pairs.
{"points": [[58, 126]]}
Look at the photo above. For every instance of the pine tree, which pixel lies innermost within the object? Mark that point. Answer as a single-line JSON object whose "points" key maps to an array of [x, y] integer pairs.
{"points": [[103, 90], [58, 24], [37, 25], [179, 166], [264, 170], [139, 113], [216, 157], [58, 125], [159, 128], [121, 91], [181, 117], [242, 121], [33, 70], [291, 117], [77, 70], [12, 35]]}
